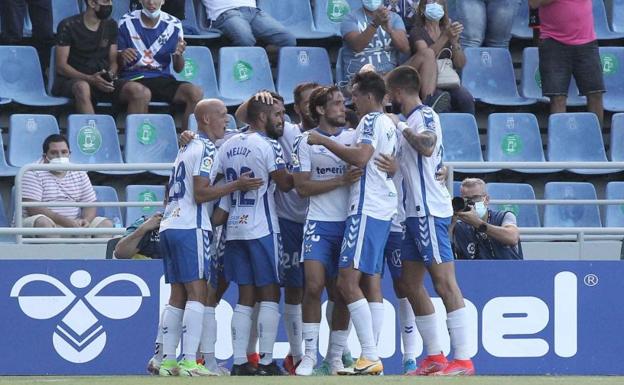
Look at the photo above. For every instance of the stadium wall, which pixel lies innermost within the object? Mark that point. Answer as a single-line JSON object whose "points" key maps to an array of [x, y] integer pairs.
{"points": [[89, 317]]}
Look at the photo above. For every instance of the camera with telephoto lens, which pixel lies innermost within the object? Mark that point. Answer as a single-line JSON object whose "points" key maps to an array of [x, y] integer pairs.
{"points": [[462, 205]]}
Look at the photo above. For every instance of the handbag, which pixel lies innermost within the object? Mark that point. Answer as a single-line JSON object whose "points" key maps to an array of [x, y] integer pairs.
{"points": [[447, 76]]}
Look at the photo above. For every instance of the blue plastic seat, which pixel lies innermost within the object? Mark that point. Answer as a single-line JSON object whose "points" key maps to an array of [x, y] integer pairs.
{"points": [[612, 59], [531, 84], [243, 71], [199, 70], [489, 76], [520, 26], [5, 221], [617, 138], [21, 79], [601, 25], [108, 194], [340, 77], [571, 215], [515, 137], [231, 123], [5, 168], [120, 8], [151, 138], [26, 135], [296, 16], [62, 9], [614, 213], [4, 101], [301, 64], [617, 16], [576, 137], [456, 188], [328, 14], [526, 214], [460, 137], [192, 27], [143, 193], [94, 139]]}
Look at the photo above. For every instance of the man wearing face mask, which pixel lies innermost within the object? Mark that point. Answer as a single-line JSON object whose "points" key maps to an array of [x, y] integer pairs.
{"points": [[481, 233], [86, 56], [50, 186]]}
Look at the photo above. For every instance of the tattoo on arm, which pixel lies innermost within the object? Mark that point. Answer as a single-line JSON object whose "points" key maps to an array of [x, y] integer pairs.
{"points": [[423, 142]]}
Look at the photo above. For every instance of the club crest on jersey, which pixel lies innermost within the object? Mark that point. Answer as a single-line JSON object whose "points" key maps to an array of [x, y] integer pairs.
{"points": [[206, 165]]}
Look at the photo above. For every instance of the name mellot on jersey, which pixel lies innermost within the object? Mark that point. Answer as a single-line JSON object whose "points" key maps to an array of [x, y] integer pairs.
{"points": [[236, 151]]}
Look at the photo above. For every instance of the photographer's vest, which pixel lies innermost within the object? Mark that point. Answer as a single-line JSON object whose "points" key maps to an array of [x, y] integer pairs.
{"points": [[468, 243]]}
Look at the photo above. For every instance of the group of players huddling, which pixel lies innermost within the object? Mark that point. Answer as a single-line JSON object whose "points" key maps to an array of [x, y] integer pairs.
{"points": [[249, 206]]}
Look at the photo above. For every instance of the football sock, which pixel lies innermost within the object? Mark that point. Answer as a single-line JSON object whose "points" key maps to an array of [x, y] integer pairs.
{"points": [[172, 330], [457, 323], [268, 323], [363, 323], [192, 325], [241, 329], [407, 322], [293, 322]]}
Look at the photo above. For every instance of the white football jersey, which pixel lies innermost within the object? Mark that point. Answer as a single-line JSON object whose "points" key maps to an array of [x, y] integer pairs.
{"points": [[289, 204], [252, 213], [424, 195], [322, 164], [375, 194], [397, 179], [182, 212]]}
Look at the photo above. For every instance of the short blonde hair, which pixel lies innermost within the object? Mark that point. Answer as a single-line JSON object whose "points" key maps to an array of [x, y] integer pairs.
{"points": [[473, 182]]}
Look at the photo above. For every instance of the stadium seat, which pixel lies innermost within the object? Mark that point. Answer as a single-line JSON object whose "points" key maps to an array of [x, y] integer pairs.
{"points": [[5, 168], [576, 137], [199, 70], [617, 16], [26, 135], [62, 9], [520, 27], [531, 84], [193, 29], [612, 59], [151, 138], [94, 139], [120, 8], [21, 79], [143, 193], [108, 194], [526, 214], [328, 14], [301, 64], [296, 16], [456, 188], [243, 71], [489, 76], [460, 137], [5, 221], [601, 25], [515, 137], [615, 213], [571, 215], [340, 78], [4, 100], [617, 138], [231, 123]]}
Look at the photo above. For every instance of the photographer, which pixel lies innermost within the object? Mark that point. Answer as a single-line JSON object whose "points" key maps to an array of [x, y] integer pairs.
{"points": [[481, 233]]}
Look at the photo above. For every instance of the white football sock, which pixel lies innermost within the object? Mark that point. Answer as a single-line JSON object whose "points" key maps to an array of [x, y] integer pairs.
{"points": [[407, 322], [241, 328], [457, 323], [268, 323], [377, 314], [192, 325], [293, 322], [172, 330], [428, 329], [363, 323], [209, 337], [310, 337], [337, 344], [158, 344], [252, 345]]}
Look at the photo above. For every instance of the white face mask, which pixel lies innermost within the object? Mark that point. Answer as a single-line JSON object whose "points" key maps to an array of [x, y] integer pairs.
{"points": [[481, 209], [61, 160], [152, 15]]}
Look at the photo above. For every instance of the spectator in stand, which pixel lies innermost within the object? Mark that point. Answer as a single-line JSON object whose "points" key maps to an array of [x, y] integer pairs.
{"points": [[568, 47], [241, 21], [372, 35], [487, 22], [144, 62], [86, 56], [50, 186], [141, 240], [433, 36], [481, 233], [12, 15]]}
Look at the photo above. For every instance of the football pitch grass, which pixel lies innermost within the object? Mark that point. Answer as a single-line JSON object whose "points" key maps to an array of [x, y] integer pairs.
{"points": [[334, 380]]}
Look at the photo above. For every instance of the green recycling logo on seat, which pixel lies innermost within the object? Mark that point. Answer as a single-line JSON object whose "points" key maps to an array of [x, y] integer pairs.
{"points": [[513, 208], [538, 78], [610, 64], [89, 140], [511, 144], [190, 70], [243, 71], [337, 10], [147, 196], [147, 133]]}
